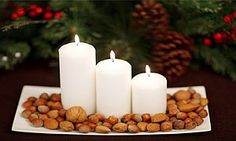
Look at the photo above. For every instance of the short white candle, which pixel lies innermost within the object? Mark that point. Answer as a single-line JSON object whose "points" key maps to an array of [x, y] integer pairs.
{"points": [[113, 87], [149, 93], [77, 75]]}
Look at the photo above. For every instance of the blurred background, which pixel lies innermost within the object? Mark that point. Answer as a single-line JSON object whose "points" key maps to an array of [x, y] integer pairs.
{"points": [[172, 36]]}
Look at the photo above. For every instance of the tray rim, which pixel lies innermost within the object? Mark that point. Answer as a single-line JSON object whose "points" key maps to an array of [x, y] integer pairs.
{"points": [[47, 131]]}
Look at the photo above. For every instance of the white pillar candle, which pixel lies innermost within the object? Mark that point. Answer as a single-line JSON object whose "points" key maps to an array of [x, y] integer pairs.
{"points": [[113, 87], [149, 93], [77, 75]]}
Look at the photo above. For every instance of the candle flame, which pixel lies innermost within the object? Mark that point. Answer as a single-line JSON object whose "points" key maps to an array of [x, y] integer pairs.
{"points": [[112, 55], [148, 71], [77, 41]]}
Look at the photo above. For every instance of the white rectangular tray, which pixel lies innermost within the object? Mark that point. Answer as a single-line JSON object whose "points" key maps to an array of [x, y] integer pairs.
{"points": [[22, 125]]}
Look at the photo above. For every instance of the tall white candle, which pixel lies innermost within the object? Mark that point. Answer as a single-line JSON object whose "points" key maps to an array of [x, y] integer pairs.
{"points": [[113, 87], [149, 93], [77, 75]]}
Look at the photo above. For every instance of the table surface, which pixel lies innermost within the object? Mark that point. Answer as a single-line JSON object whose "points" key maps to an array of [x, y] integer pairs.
{"points": [[220, 92]]}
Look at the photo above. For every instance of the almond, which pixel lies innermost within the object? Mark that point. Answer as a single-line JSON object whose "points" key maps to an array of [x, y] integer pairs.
{"points": [[182, 95], [188, 107], [120, 127], [102, 129]]}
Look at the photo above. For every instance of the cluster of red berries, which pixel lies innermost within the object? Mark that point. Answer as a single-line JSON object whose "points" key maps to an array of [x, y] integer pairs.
{"points": [[36, 12], [225, 36]]}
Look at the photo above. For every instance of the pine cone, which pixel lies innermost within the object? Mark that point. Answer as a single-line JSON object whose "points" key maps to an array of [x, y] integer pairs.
{"points": [[171, 54], [150, 16]]}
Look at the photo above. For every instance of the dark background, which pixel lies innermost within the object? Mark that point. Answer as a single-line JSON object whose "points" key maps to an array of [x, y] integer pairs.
{"points": [[220, 92]]}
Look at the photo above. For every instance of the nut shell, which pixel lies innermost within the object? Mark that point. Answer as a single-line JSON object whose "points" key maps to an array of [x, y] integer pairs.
{"points": [[120, 127], [153, 127], [166, 126], [76, 114], [142, 126], [37, 122], [67, 126], [51, 123], [133, 129], [84, 128]]}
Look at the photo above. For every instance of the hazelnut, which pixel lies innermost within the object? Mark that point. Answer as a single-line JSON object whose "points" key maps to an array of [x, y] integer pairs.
{"points": [[196, 96], [182, 95], [43, 109], [37, 122], [120, 127], [51, 123], [187, 120], [195, 101], [192, 115], [27, 104], [32, 99], [199, 109], [31, 108], [76, 114], [62, 113], [56, 106], [126, 117], [172, 108], [43, 116], [53, 114], [60, 119], [203, 102], [159, 117], [102, 129], [77, 125], [50, 103], [191, 90], [99, 123], [142, 126], [146, 117], [203, 113], [107, 124], [100, 117], [84, 128], [198, 120], [166, 126], [171, 101], [153, 127], [173, 119], [133, 128], [179, 124], [113, 120], [67, 126], [131, 122], [26, 113], [136, 117], [55, 97], [40, 101], [92, 126], [181, 115], [93, 118], [169, 96], [33, 116], [44, 96], [190, 125]]}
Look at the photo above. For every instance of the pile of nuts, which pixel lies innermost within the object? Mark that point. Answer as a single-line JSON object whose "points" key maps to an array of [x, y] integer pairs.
{"points": [[185, 110]]}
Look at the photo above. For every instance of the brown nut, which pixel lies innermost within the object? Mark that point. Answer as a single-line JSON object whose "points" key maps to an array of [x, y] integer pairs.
{"points": [[53, 114], [159, 117], [93, 118], [37, 122], [131, 122], [199, 109], [77, 125], [40, 101], [172, 109], [173, 119], [33, 116], [203, 102], [192, 115], [166, 126], [191, 90], [153, 127], [99, 123], [66, 126], [203, 113], [100, 117], [31, 108], [169, 96], [55, 97], [27, 104], [56, 106], [120, 127], [133, 128], [50, 103], [26, 113], [107, 124], [136, 117], [182, 95], [60, 119], [84, 128], [195, 101], [196, 96], [187, 120], [188, 107], [198, 120], [102, 129], [76, 114], [171, 101], [51, 123], [43, 116], [146, 117], [44, 96], [32, 99], [113, 120], [43, 109], [142, 126], [190, 125], [62, 113], [179, 124], [182, 102], [126, 117], [92, 126], [181, 115]]}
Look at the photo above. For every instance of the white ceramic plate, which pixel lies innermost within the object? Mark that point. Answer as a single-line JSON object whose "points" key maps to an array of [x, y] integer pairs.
{"points": [[22, 125]]}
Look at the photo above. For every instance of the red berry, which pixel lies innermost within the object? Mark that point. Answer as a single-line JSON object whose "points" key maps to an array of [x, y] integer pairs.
{"points": [[14, 16], [47, 16], [227, 19], [20, 12], [32, 7], [38, 10], [234, 14], [32, 14], [207, 41], [48, 8], [233, 36], [218, 37], [58, 15]]}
